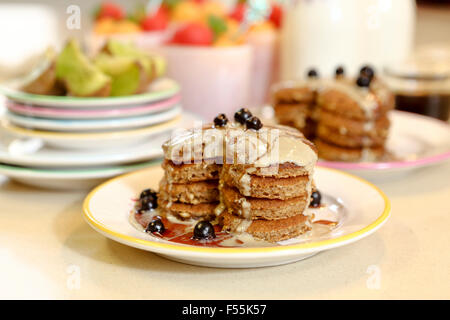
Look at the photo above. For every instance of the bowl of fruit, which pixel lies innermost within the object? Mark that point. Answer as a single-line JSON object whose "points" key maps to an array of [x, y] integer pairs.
{"points": [[146, 27], [207, 55], [222, 58]]}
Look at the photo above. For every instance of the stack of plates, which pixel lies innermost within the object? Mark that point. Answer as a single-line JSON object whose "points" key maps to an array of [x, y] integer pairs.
{"points": [[73, 142]]}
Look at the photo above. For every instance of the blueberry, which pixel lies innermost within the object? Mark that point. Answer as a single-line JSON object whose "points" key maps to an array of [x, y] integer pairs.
{"points": [[363, 81], [316, 198], [204, 230], [242, 115], [155, 226], [148, 203], [367, 71], [340, 71], [312, 73], [221, 120], [148, 192], [253, 123]]}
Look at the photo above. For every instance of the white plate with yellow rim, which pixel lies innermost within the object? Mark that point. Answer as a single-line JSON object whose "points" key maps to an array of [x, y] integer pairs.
{"points": [[365, 209]]}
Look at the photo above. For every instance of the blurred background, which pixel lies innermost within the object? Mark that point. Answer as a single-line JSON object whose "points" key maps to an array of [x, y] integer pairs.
{"points": [[400, 37]]}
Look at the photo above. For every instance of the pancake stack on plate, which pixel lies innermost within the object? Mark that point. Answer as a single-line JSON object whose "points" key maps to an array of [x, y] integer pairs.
{"points": [[347, 118], [50, 139], [253, 179]]}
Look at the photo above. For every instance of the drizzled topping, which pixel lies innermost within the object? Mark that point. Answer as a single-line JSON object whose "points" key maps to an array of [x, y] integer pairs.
{"points": [[234, 144]]}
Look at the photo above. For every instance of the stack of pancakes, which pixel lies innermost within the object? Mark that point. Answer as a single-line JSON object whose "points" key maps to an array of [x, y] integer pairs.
{"points": [[264, 192], [349, 122], [270, 206], [295, 106], [189, 190]]}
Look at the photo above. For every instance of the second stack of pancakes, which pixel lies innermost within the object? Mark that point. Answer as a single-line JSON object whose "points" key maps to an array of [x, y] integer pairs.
{"points": [[347, 118], [353, 123], [296, 106]]}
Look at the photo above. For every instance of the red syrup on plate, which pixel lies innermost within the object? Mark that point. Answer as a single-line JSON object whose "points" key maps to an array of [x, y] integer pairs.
{"points": [[182, 233]]}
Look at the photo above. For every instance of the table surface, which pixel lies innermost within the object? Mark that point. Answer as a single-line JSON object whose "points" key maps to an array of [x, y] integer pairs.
{"points": [[47, 250]]}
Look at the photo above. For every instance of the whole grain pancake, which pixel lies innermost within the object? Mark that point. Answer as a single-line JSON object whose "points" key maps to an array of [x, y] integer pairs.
{"points": [[292, 115], [193, 192], [187, 211], [375, 138], [332, 152], [283, 170], [259, 208], [352, 102], [353, 126], [268, 187], [186, 173], [294, 95], [269, 230]]}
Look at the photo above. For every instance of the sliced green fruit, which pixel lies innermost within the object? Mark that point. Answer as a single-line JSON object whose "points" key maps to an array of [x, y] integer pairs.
{"points": [[153, 64], [127, 74], [81, 77], [42, 79]]}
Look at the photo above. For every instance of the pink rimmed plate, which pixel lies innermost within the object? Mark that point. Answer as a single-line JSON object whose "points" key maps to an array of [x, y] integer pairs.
{"points": [[104, 113], [415, 141]]}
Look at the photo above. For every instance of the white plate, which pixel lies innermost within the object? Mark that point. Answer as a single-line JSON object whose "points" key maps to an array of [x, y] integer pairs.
{"points": [[32, 153], [417, 140], [366, 208], [160, 89], [68, 179], [110, 139], [64, 125]]}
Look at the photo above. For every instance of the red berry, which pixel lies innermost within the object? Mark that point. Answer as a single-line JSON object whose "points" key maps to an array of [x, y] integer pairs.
{"points": [[157, 21], [110, 10], [238, 12], [194, 34], [276, 16]]}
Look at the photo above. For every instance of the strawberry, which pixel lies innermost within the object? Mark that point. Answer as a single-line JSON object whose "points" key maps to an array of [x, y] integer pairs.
{"points": [[238, 12], [195, 34], [157, 21], [110, 10], [276, 16]]}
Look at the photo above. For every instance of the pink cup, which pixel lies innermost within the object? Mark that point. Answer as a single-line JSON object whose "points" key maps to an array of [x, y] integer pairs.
{"points": [[213, 79]]}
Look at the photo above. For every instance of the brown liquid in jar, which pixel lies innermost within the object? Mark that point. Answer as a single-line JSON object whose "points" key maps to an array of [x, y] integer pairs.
{"points": [[433, 104]]}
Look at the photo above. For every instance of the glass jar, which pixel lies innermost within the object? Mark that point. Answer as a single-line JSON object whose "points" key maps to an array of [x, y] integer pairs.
{"points": [[421, 85]]}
